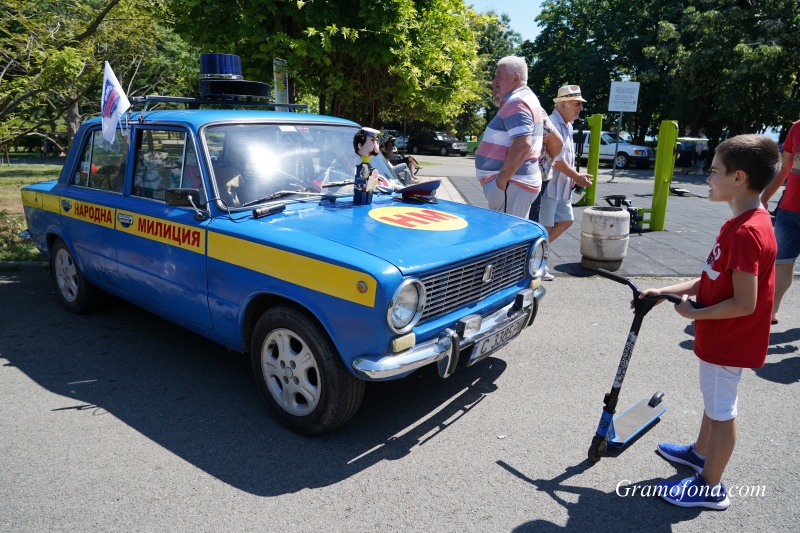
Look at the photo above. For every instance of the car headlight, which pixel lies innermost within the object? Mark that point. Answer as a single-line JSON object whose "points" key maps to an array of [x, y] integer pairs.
{"points": [[406, 305], [538, 258]]}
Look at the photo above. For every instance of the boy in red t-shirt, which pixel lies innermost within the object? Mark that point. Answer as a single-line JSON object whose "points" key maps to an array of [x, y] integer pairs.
{"points": [[732, 319]]}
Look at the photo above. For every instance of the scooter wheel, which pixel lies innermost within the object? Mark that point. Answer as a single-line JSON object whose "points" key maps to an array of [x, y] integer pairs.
{"points": [[598, 448], [656, 399]]}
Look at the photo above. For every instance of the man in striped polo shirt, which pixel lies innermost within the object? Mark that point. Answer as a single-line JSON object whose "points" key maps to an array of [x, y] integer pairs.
{"points": [[507, 160]]}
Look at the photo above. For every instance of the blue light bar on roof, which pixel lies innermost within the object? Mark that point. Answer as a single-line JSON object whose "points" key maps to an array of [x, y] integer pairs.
{"points": [[220, 66]]}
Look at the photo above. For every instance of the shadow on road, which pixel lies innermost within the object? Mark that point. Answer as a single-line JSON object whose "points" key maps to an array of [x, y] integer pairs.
{"points": [[600, 511], [199, 401]]}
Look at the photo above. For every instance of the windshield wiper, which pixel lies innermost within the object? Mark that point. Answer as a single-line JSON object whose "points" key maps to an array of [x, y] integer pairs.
{"points": [[338, 183], [277, 194]]}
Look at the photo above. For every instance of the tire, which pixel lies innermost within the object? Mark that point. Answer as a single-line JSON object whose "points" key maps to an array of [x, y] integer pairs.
{"points": [[643, 165], [300, 374], [597, 448], [623, 160], [443, 151], [414, 150], [463, 154], [74, 291]]}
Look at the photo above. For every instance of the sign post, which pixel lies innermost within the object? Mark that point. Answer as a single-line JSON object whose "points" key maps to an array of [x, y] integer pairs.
{"points": [[624, 96], [280, 76]]}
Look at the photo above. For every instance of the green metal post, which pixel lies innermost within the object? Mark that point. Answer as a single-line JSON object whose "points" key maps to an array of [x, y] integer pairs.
{"points": [[595, 123], [665, 166]]}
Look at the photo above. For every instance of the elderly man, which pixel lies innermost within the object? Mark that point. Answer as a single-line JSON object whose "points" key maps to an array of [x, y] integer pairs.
{"points": [[556, 211], [507, 159]]}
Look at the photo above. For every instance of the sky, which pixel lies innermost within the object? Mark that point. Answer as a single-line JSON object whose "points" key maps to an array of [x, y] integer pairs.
{"points": [[521, 13]]}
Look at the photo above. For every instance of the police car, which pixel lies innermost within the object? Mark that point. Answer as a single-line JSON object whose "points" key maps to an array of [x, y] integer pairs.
{"points": [[239, 224]]}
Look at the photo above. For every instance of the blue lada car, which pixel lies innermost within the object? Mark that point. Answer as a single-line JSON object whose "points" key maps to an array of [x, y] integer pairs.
{"points": [[240, 225]]}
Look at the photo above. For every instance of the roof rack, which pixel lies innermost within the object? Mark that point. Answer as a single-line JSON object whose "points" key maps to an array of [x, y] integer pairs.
{"points": [[222, 100]]}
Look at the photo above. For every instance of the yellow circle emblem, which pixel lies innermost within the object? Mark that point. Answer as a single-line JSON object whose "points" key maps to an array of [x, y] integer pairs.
{"points": [[418, 218]]}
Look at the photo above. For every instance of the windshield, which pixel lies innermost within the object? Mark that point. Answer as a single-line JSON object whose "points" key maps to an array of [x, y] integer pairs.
{"points": [[445, 136], [253, 162], [611, 138]]}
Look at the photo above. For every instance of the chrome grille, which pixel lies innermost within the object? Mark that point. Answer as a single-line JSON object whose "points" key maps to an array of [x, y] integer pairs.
{"points": [[464, 285]]}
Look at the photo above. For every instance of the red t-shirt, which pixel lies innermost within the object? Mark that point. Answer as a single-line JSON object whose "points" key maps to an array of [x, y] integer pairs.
{"points": [[791, 196], [745, 243]]}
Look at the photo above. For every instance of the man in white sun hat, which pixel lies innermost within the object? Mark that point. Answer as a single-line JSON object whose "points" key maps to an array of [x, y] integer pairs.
{"points": [[556, 211]]}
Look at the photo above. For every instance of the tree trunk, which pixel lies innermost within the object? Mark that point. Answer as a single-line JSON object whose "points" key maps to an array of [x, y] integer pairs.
{"points": [[73, 123]]}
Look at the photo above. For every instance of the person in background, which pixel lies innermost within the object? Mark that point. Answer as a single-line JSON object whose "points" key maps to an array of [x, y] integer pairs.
{"points": [[552, 145], [507, 158], [556, 211], [701, 151], [686, 153], [405, 168], [787, 215]]}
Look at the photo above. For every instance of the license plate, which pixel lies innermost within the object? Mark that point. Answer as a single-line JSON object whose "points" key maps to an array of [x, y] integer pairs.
{"points": [[495, 341]]}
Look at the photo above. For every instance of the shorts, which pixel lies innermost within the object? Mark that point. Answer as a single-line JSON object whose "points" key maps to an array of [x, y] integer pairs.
{"points": [[514, 200], [787, 233], [720, 388], [553, 211]]}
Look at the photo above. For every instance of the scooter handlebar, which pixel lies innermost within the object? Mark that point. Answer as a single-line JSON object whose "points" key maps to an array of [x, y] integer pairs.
{"points": [[625, 281]]}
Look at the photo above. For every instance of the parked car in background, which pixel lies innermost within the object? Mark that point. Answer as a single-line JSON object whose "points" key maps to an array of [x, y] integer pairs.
{"points": [[436, 142], [627, 153]]}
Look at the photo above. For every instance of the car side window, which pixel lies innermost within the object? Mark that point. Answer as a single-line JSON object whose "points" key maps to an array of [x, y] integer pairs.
{"points": [[164, 160], [102, 164]]}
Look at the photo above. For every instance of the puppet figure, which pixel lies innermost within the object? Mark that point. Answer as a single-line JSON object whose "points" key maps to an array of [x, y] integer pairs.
{"points": [[365, 144]]}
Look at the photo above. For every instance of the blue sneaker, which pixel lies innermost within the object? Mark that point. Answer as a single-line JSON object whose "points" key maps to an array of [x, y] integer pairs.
{"points": [[694, 492], [684, 455]]}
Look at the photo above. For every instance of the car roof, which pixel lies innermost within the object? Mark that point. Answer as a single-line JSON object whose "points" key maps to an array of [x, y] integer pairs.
{"points": [[200, 117]]}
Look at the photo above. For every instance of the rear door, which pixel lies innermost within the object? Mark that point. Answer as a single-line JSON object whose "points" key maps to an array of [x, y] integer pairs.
{"points": [[88, 203]]}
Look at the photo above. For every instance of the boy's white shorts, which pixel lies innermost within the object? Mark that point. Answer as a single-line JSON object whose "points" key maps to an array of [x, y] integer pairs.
{"points": [[720, 388]]}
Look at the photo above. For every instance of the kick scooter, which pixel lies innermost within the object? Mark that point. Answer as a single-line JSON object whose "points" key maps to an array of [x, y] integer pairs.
{"points": [[619, 430]]}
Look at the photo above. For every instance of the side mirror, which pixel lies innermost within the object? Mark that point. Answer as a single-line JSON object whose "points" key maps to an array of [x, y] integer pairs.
{"points": [[181, 197]]}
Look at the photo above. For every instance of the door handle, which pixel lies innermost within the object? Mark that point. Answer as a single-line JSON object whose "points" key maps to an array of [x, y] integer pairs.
{"points": [[125, 219], [66, 204]]}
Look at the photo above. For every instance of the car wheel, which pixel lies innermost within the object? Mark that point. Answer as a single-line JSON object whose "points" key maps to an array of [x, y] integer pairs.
{"points": [[643, 165], [300, 374], [623, 160], [443, 150], [414, 150], [463, 154], [77, 294]]}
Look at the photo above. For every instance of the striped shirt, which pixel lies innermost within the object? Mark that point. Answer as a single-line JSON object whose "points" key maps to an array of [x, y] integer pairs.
{"points": [[519, 114], [560, 187]]}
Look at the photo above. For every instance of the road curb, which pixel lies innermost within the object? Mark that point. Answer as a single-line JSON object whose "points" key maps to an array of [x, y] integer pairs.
{"points": [[24, 266]]}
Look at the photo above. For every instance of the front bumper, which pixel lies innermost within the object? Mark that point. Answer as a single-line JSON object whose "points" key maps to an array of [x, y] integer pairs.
{"points": [[446, 349]]}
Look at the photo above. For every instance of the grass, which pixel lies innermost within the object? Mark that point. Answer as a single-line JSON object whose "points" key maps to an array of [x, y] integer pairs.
{"points": [[12, 218]]}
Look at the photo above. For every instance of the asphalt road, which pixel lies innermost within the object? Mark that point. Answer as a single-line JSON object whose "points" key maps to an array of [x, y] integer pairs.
{"points": [[120, 421]]}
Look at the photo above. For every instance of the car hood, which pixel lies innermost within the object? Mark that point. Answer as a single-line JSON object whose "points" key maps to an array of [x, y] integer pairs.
{"points": [[415, 237]]}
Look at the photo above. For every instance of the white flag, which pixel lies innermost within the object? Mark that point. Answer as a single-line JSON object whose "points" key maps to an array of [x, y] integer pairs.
{"points": [[113, 104]]}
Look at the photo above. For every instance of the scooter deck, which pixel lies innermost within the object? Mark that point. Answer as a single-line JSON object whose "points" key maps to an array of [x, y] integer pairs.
{"points": [[633, 421]]}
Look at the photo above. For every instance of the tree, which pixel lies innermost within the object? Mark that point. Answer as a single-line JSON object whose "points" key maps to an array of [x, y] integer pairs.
{"points": [[366, 61], [727, 65], [52, 55], [496, 40]]}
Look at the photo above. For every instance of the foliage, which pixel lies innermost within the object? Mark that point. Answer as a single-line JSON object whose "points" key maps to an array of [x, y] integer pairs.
{"points": [[12, 246], [496, 40], [52, 53], [727, 65], [369, 62]]}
